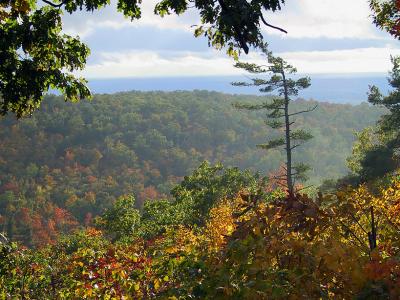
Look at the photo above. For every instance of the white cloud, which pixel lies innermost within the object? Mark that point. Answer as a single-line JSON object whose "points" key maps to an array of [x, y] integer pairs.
{"points": [[303, 19], [364, 60], [153, 64], [325, 18]]}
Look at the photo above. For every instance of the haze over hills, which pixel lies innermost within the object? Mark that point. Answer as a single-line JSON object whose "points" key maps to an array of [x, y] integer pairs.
{"points": [[328, 88]]}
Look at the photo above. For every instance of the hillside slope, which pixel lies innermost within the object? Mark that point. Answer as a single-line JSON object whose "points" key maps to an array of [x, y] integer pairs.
{"points": [[66, 163]]}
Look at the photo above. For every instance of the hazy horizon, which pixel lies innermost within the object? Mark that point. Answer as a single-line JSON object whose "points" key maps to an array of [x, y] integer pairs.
{"points": [[336, 88]]}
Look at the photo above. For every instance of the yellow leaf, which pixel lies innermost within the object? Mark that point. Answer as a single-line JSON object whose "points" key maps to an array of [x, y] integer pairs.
{"points": [[156, 284], [136, 286]]}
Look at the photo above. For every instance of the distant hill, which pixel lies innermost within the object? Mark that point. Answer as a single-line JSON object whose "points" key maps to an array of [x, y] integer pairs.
{"points": [[331, 88], [73, 160]]}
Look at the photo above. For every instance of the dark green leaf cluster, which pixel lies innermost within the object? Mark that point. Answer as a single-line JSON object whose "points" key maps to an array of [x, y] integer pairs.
{"points": [[122, 219], [380, 157], [389, 122], [198, 193], [192, 200], [34, 54]]}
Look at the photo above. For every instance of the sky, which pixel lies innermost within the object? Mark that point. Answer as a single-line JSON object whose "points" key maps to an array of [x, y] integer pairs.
{"points": [[331, 37]]}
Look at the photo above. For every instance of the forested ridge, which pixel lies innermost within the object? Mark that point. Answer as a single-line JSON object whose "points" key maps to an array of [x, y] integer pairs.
{"points": [[71, 161]]}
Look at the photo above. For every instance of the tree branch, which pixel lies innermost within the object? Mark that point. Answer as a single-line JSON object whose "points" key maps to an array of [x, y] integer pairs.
{"points": [[304, 111], [354, 235], [304, 188], [55, 5], [272, 26], [358, 223], [279, 177]]}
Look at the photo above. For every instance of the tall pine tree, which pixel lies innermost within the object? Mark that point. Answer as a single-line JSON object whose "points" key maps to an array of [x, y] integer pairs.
{"points": [[279, 115]]}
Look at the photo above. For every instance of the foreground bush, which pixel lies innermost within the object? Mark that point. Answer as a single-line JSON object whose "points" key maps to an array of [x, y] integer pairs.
{"points": [[248, 248]]}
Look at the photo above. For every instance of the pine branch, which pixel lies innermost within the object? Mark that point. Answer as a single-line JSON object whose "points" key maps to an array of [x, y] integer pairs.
{"points": [[274, 124], [272, 144], [275, 114], [301, 135], [304, 111], [294, 147], [241, 83], [251, 68], [248, 106]]}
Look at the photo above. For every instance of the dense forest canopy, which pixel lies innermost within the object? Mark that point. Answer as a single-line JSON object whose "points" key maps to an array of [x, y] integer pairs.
{"points": [[81, 157]]}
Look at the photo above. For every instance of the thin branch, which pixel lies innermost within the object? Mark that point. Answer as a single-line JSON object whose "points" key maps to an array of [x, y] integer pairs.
{"points": [[272, 26], [355, 244], [245, 211], [304, 188], [391, 222], [55, 5], [281, 184], [354, 235], [358, 223], [304, 111], [279, 177]]}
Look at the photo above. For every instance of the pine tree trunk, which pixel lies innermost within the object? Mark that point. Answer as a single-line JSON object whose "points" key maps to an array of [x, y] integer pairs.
{"points": [[289, 179]]}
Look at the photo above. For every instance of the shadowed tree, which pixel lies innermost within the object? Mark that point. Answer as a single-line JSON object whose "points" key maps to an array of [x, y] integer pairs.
{"points": [[375, 154], [279, 116]]}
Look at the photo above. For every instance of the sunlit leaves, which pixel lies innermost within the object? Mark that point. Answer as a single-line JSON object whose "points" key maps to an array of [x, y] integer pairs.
{"points": [[248, 248]]}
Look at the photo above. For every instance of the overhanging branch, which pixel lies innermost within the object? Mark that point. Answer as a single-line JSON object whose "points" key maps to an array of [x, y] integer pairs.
{"points": [[55, 5], [272, 26]]}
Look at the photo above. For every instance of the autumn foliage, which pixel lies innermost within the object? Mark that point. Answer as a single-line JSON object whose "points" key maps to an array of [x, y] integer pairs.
{"points": [[248, 248]]}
